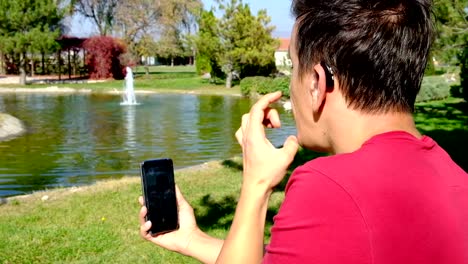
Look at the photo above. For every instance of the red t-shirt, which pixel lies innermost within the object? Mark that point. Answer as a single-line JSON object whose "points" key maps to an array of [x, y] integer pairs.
{"points": [[396, 200]]}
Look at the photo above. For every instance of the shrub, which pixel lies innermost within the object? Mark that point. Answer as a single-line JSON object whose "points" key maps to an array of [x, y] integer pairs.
{"points": [[430, 67], [433, 88], [203, 65], [247, 86], [263, 85], [282, 84], [464, 73], [103, 57]]}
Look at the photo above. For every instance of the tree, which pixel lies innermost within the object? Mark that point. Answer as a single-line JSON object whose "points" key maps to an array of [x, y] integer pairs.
{"points": [[146, 47], [137, 19], [178, 23], [170, 44], [464, 73], [452, 28], [452, 41], [103, 57], [101, 12], [208, 45], [142, 23], [29, 25], [245, 41]]}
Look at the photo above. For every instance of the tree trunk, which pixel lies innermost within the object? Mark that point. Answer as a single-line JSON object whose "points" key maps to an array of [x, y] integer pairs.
{"points": [[84, 62], [2, 63], [74, 62], [194, 55], [22, 70], [69, 64], [43, 63], [172, 62], [146, 69], [59, 61], [33, 66], [229, 80]]}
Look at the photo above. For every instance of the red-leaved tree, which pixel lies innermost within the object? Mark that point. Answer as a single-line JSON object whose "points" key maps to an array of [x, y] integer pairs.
{"points": [[103, 57]]}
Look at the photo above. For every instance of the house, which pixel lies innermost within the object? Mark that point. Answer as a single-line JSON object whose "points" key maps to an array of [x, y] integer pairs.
{"points": [[281, 54]]}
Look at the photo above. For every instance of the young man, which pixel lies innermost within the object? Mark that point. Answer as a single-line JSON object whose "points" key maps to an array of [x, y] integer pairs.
{"points": [[388, 194]]}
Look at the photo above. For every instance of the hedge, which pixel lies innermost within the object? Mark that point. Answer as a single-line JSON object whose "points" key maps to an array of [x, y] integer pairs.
{"points": [[433, 87], [251, 86], [464, 72]]}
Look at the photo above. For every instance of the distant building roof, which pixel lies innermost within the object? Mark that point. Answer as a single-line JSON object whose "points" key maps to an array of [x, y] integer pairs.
{"points": [[70, 42], [284, 44]]}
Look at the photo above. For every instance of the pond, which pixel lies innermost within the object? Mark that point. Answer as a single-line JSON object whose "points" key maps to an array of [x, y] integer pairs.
{"points": [[74, 140]]}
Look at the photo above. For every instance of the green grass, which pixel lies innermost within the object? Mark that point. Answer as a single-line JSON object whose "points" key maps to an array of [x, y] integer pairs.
{"points": [[165, 79], [98, 224], [446, 121]]}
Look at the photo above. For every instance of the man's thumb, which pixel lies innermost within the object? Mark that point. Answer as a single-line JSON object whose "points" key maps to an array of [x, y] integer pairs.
{"points": [[291, 146]]}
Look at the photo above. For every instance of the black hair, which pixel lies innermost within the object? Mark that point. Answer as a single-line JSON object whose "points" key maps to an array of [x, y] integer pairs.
{"points": [[377, 49]]}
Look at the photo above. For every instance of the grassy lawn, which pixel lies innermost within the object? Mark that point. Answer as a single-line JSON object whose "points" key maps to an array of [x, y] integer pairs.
{"points": [[446, 121], [179, 79], [98, 224]]}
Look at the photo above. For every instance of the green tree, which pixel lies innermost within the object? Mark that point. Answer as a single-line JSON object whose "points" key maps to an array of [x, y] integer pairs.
{"points": [[142, 23], [29, 25], [145, 48], [208, 45], [452, 28], [178, 24], [170, 44], [464, 73], [245, 41]]}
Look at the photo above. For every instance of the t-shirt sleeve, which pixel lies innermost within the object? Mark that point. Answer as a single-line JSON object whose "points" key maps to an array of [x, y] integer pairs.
{"points": [[318, 222]]}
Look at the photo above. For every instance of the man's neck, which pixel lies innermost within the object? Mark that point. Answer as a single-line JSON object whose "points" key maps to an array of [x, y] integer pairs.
{"points": [[354, 128]]}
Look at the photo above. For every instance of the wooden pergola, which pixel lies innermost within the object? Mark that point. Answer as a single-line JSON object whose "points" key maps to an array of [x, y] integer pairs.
{"points": [[73, 46]]}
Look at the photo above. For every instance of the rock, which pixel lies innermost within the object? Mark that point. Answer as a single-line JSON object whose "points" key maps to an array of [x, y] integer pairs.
{"points": [[10, 127], [45, 198], [206, 76]]}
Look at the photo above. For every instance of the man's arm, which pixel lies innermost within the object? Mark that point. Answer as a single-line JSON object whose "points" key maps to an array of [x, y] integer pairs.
{"points": [[264, 167]]}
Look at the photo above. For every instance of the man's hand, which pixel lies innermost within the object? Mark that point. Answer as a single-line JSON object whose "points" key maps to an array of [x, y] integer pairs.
{"points": [[188, 239], [264, 164], [178, 240]]}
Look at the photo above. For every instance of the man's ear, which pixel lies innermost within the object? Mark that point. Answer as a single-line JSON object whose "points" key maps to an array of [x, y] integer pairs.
{"points": [[318, 89]]}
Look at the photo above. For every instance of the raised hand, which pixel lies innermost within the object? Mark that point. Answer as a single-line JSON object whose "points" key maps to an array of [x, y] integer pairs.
{"points": [[263, 163]]}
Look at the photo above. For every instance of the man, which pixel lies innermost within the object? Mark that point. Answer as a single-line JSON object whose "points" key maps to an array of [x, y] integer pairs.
{"points": [[388, 194]]}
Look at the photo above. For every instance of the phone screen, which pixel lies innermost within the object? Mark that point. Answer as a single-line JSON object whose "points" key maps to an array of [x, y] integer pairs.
{"points": [[159, 193]]}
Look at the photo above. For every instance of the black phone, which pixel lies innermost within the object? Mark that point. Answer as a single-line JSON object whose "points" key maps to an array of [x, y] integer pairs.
{"points": [[158, 184]]}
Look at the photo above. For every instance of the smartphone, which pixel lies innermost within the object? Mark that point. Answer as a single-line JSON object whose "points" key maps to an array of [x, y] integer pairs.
{"points": [[157, 177]]}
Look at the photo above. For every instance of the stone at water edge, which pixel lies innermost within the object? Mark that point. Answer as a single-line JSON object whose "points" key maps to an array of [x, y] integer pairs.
{"points": [[10, 127]]}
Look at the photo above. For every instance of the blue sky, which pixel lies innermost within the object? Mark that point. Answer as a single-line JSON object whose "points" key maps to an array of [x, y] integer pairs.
{"points": [[278, 10]]}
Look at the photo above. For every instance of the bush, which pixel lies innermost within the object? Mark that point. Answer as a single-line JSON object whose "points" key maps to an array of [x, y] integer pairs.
{"points": [[252, 70], [433, 88], [262, 85], [464, 73], [430, 67], [203, 65], [103, 57]]}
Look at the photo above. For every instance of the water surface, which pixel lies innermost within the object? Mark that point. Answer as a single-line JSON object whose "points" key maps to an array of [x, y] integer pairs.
{"points": [[78, 139]]}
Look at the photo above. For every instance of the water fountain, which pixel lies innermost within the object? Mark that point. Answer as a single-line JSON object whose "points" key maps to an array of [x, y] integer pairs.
{"points": [[129, 92]]}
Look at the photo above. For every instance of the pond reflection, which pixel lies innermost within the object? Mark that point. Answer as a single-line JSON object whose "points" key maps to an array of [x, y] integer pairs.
{"points": [[78, 139]]}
